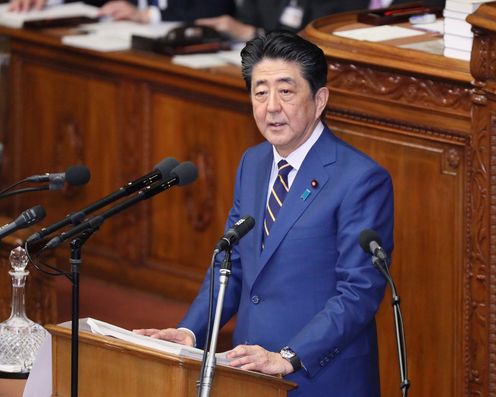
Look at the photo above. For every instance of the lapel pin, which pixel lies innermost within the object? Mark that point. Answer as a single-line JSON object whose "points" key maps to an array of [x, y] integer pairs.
{"points": [[314, 183], [305, 194]]}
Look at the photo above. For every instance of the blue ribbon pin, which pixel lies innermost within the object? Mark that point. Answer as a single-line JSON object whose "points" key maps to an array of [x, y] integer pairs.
{"points": [[305, 194]]}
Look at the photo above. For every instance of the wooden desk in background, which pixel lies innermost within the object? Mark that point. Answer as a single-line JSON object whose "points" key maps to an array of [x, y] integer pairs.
{"points": [[418, 114]]}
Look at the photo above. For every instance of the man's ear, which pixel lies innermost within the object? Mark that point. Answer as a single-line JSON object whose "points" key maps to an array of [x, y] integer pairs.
{"points": [[321, 97]]}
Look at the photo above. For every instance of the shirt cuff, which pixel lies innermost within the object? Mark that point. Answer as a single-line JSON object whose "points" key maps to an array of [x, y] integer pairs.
{"points": [[154, 15], [192, 334]]}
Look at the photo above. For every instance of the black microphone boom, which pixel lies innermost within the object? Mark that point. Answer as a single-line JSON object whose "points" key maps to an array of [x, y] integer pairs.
{"points": [[26, 218], [233, 235], [370, 241], [183, 174], [160, 172]]}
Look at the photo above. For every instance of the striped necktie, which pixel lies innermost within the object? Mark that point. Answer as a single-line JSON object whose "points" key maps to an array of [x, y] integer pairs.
{"points": [[277, 195]]}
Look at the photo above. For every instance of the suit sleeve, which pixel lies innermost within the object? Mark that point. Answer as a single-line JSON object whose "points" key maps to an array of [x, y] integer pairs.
{"points": [[368, 203]]}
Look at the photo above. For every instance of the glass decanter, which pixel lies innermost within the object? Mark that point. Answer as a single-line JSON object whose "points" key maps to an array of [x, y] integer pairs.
{"points": [[20, 338]]}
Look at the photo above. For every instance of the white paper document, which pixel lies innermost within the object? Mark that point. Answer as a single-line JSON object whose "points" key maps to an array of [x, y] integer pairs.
{"points": [[96, 42], [115, 35], [210, 60], [102, 328], [379, 33], [16, 19]]}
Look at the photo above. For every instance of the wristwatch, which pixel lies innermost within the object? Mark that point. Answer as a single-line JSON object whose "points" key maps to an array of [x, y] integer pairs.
{"points": [[291, 356]]}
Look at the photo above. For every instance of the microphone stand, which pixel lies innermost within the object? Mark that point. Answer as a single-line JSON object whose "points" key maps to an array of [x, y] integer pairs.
{"points": [[208, 376], [76, 261], [398, 323]]}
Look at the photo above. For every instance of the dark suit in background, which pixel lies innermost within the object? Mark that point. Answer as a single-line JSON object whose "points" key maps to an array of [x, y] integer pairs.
{"points": [[266, 14], [189, 10]]}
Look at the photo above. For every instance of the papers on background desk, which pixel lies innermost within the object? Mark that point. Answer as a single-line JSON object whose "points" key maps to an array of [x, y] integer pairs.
{"points": [[379, 33], [115, 35], [436, 27], [16, 19], [211, 60]]}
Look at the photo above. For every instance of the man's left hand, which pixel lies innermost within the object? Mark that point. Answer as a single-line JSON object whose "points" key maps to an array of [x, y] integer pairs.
{"points": [[256, 358]]}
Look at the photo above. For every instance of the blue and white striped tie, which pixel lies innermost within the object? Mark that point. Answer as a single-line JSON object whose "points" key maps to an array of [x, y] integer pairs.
{"points": [[277, 195]]}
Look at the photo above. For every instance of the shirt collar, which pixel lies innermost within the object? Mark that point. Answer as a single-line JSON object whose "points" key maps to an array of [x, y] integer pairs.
{"points": [[295, 158]]}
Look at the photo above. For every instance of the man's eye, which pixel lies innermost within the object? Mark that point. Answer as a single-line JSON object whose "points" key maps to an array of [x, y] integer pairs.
{"points": [[286, 92], [259, 94]]}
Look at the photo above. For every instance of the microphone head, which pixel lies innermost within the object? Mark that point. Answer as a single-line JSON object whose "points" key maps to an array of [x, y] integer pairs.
{"points": [[366, 237], [77, 175], [244, 225], [33, 215], [186, 172], [165, 167]]}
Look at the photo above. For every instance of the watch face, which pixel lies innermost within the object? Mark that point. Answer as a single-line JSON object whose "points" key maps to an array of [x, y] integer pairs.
{"points": [[287, 353]]}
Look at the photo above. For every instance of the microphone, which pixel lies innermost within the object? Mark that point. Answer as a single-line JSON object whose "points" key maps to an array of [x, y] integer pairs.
{"points": [[26, 218], [181, 175], [370, 242], [75, 175], [160, 172], [233, 235]]}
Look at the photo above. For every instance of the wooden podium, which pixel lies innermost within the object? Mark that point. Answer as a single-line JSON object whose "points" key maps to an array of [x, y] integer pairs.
{"points": [[112, 367]]}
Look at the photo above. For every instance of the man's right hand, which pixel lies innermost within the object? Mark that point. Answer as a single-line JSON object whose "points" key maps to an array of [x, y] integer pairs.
{"points": [[180, 336], [26, 5]]}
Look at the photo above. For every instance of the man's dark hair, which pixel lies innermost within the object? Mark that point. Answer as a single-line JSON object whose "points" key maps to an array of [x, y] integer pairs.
{"points": [[290, 48]]}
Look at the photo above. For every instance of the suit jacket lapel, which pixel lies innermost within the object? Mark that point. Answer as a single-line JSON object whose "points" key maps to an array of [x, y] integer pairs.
{"points": [[322, 154], [258, 198]]}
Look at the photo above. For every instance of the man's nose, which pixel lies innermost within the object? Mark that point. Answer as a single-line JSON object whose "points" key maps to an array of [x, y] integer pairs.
{"points": [[274, 103]]}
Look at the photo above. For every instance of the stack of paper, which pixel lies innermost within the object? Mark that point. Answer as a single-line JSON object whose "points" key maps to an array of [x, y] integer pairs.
{"points": [[379, 33], [115, 35], [17, 19], [102, 328], [458, 34], [201, 61]]}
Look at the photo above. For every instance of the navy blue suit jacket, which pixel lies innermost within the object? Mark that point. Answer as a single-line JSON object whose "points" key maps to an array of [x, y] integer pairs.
{"points": [[312, 287]]}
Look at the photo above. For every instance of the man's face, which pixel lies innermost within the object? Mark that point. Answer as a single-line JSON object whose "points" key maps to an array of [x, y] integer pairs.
{"points": [[283, 106]]}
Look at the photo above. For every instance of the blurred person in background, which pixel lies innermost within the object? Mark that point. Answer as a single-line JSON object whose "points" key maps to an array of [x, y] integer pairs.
{"points": [[143, 11], [255, 17]]}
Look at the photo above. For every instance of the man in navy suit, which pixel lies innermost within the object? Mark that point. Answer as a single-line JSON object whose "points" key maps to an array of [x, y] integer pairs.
{"points": [[304, 292]]}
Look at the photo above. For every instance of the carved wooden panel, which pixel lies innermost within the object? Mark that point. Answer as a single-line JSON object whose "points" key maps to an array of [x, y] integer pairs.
{"points": [[429, 191], [186, 221], [420, 101], [418, 91]]}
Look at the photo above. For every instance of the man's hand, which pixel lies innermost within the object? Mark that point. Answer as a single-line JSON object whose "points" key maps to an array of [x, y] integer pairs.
{"points": [[227, 24], [256, 358], [26, 5], [180, 336], [122, 10]]}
